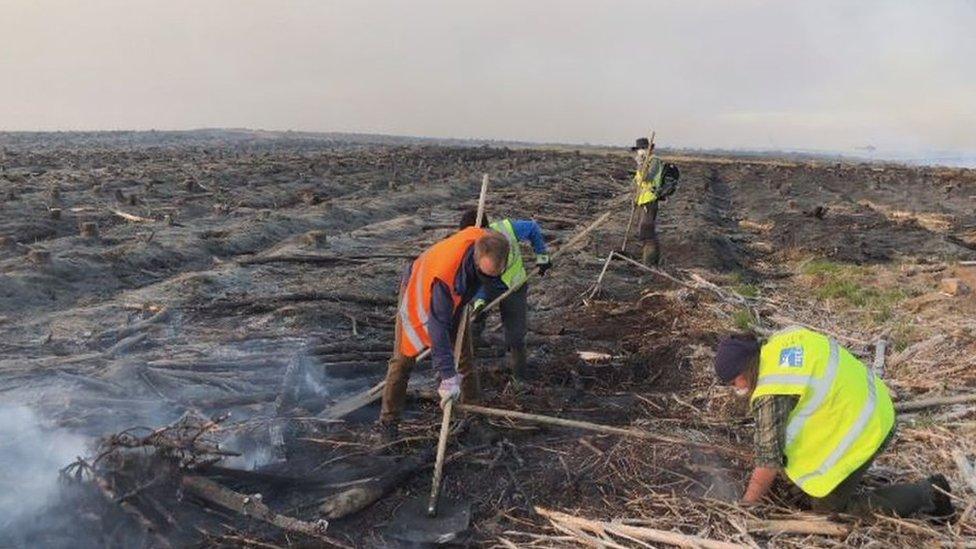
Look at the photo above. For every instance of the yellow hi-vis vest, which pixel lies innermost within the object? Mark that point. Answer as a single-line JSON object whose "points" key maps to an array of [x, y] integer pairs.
{"points": [[649, 183], [515, 271], [844, 413]]}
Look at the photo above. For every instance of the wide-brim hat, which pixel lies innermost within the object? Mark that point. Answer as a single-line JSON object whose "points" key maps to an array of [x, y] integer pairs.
{"points": [[641, 144]]}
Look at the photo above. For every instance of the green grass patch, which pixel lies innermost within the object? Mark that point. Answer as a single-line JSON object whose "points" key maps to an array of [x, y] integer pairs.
{"points": [[743, 320], [854, 285], [746, 290], [821, 267]]}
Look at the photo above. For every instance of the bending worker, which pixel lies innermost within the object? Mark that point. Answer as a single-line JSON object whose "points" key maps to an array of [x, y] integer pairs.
{"points": [[514, 308], [654, 184], [822, 417], [433, 293]]}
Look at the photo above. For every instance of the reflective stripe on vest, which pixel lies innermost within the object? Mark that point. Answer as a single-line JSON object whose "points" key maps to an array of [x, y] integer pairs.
{"points": [[647, 187], [515, 271], [844, 413], [440, 262]]}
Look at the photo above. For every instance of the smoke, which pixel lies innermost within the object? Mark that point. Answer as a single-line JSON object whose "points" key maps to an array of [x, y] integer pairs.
{"points": [[31, 455]]}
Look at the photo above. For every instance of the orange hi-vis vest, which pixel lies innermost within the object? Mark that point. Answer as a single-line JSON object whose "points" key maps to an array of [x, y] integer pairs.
{"points": [[439, 262]]}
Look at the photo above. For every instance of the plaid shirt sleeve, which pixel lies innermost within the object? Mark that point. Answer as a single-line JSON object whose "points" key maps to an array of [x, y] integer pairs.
{"points": [[771, 413]]}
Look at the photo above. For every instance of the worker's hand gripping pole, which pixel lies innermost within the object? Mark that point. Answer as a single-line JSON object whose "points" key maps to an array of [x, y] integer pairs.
{"points": [[435, 488], [645, 163]]}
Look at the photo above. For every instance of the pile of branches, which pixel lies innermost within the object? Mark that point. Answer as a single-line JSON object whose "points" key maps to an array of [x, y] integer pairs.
{"points": [[140, 480]]}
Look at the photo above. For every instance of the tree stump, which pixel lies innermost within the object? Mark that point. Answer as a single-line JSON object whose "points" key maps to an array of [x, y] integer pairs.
{"points": [[89, 229], [55, 213], [39, 256], [314, 239], [309, 197]]}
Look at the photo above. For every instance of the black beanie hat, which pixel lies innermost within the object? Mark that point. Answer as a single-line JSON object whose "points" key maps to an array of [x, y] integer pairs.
{"points": [[734, 355]]}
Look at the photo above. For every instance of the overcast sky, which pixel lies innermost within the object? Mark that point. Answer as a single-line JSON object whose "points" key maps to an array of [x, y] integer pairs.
{"points": [[834, 75]]}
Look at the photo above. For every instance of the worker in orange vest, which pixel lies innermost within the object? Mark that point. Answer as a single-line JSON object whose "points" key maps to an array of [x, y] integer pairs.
{"points": [[433, 293]]}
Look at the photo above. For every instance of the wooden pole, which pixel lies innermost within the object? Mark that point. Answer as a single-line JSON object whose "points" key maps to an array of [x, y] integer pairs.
{"points": [[435, 487], [931, 402], [462, 329], [588, 426], [479, 221]]}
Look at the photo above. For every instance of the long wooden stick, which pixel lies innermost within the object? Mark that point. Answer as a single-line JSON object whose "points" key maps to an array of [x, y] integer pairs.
{"points": [[931, 402], [645, 163], [630, 223], [480, 219], [595, 427], [462, 328], [435, 487], [808, 527]]}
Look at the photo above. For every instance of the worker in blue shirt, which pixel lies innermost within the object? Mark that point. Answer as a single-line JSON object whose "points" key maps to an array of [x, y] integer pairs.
{"points": [[514, 308]]}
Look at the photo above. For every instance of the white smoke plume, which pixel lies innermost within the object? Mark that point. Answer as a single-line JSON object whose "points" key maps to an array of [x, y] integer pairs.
{"points": [[31, 454]]}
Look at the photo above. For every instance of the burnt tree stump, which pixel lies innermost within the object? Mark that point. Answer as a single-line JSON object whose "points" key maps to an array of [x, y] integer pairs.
{"points": [[89, 230]]}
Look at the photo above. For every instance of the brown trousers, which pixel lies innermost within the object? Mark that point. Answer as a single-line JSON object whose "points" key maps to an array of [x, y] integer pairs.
{"points": [[398, 375]]}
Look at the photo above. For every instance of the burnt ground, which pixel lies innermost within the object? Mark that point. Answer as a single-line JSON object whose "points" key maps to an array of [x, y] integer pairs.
{"points": [[258, 279]]}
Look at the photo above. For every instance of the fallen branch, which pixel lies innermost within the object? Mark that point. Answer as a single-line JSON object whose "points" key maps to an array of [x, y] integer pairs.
{"points": [[122, 333], [313, 259], [130, 217], [249, 506], [363, 495], [595, 427], [932, 402], [810, 527], [626, 531]]}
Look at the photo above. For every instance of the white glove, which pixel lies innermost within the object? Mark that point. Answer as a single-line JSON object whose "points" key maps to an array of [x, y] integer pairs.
{"points": [[450, 389]]}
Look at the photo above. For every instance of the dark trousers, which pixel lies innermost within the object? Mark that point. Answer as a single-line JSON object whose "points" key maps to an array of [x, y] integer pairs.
{"points": [[647, 234], [398, 375], [514, 310], [897, 499]]}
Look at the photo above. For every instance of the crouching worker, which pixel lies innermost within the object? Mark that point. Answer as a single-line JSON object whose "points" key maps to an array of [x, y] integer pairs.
{"points": [[514, 308], [822, 418], [433, 293]]}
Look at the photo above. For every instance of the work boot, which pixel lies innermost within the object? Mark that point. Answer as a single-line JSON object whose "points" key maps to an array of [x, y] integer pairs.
{"points": [[942, 503], [518, 363], [650, 255]]}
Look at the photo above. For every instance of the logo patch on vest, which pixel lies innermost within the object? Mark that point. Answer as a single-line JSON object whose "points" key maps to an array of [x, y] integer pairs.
{"points": [[791, 357]]}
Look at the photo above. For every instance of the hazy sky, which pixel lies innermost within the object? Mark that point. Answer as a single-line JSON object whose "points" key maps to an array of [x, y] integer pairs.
{"points": [[897, 74]]}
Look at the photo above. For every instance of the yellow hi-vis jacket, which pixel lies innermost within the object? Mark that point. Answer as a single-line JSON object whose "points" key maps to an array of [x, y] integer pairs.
{"points": [[842, 417], [649, 183], [515, 270]]}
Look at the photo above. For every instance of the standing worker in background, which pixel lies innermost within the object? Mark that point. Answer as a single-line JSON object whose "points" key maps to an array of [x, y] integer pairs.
{"points": [[433, 294], [655, 181], [822, 417], [514, 308]]}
